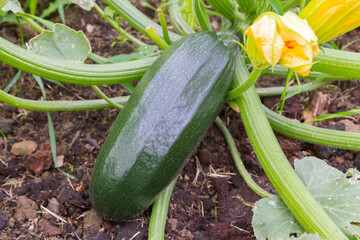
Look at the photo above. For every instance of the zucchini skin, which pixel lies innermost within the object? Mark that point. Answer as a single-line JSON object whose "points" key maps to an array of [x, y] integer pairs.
{"points": [[170, 110]]}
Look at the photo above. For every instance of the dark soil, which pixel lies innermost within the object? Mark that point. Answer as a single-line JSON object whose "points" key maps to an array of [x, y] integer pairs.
{"points": [[210, 199]]}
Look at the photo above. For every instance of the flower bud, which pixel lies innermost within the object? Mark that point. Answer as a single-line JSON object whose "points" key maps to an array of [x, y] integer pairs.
{"points": [[287, 40]]}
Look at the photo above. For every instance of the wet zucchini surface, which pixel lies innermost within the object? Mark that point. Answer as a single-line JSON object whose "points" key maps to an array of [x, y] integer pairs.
{"points": [[169, 112]]}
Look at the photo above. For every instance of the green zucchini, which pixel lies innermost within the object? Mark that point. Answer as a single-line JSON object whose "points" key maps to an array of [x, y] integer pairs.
{"points": [[170, 110]]}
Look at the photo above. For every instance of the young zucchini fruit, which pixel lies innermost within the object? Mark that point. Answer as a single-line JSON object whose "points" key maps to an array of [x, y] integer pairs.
{"points": [[172, 107]]}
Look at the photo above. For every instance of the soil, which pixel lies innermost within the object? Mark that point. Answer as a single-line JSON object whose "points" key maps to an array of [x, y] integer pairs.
{"points": [[210, 199]]}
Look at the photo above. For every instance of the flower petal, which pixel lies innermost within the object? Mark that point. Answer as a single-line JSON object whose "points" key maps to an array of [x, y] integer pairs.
{"points": [[296, 59], [298, 26], [257, 59], [332, 18], [267, 39]]}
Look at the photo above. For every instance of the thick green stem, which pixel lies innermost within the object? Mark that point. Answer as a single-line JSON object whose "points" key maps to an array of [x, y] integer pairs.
{"points": [[277, 91], [282, 125], [156, 38], [136, 18], [278, 169], [76, 73], [225, 7], [310, 134], [115, 73], [178, 20], [116, 26], [280, 71], [338, 62], [77, 105], [201, 15], [238, 162], [236, 92], [159, 213]]}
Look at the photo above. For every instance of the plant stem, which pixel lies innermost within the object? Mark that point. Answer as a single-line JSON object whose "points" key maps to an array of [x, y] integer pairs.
{"points": [[116, 26], [311, 134], [278, 169], [114, 73], [338, 62], [282, 125], [281, 103], [201, 15], [77, 105], [136, 18], [156, 38], [164, 26], [280, 71], [33, 24], [234, 93], [159, 213], [108, 100], [225, 7], [75, 73], [178, 21], [238, 162], [277, 91]]}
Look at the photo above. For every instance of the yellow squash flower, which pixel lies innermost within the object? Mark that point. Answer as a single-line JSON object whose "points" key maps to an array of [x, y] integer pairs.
{"points": [[332, 18], [287, 40]]}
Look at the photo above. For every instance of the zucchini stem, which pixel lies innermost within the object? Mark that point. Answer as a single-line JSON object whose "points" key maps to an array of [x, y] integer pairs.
{"points": [[116, 26], [164, 26], [159, 213], [156, 38], [278, 169], [255, 74], [282, 125], [108, 100], [238, 162]]}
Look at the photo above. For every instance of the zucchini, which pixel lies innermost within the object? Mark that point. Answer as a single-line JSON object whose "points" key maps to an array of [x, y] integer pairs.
{"points": [[170, 110]]}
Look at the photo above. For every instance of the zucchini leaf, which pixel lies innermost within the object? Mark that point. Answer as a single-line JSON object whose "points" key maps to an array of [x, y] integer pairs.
{"points": [[84, 4], [62, 43], [336, 192], [12, 5]]}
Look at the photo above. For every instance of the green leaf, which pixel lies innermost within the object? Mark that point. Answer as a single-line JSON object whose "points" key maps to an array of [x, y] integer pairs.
{"points": [[13, 6], [109, 11], [53, 7], [306, 236], [273, 220], [337, 193], [62, 43], [276, 6], [335, 115], [3, 135], [84, 4]]}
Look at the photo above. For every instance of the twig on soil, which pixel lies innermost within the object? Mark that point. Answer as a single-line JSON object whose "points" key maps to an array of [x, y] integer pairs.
{"points": [[9, 193], [77, 134], [240, 229], [213, 173], [70, 184], [135, 235], [3, 162], [53, 214], [198, 170], [14, 182]]}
